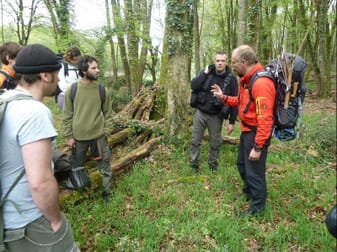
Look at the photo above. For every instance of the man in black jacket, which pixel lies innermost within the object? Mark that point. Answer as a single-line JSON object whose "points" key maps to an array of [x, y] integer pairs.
{"points": [[209, 112]]}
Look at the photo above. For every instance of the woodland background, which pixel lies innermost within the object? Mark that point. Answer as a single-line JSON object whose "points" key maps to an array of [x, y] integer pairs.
{"points": [[193, 31], [160, 205]]}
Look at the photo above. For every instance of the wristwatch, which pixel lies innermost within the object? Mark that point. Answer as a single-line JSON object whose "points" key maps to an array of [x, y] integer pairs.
{"points": [[257, 148]]}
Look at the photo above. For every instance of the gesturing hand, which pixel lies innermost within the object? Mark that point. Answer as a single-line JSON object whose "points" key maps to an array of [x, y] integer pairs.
{"points": [[217, 92]]}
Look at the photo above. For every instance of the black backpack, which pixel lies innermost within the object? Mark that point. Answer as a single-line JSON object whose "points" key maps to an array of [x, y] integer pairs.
{"points": [[287, 73]]}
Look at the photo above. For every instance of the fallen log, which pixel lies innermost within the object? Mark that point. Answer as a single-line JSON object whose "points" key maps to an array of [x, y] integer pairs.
{"points": [[119, 137], [138, 153], [141, 105]]}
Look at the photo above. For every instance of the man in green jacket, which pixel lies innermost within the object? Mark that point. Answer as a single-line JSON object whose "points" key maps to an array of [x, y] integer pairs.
{"points": [[87, 121]]}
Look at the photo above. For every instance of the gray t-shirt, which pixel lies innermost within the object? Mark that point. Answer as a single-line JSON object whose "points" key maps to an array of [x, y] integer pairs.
{"points": [[25, 121]]}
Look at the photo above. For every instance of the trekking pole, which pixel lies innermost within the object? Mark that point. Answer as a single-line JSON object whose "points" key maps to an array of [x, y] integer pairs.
{"points": [[299, 118]]}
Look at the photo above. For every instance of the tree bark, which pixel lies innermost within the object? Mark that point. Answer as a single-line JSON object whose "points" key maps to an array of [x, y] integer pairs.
{"points": [[242, 23], [176, 64]]}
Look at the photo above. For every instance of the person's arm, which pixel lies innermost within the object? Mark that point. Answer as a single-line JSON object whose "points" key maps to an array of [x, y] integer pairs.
{"points": [[197, 82], [67, 118], [233, 92], [263, 93], [108, 114], [226, 99], [42, 183]]}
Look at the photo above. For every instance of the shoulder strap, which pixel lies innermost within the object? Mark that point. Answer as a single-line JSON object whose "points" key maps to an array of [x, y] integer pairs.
{"points": [[73, 90], [102, 95], [65, 67], [251, 83], [4, 101], [101, 89], [226, 81], [12, 186]]}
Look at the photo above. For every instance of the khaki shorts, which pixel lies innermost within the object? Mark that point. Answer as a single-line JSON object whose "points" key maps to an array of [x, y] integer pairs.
{"points": [[38, 236]]}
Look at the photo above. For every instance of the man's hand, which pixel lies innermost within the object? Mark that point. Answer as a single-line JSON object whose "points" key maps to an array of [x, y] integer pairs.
{"points": [[55, 225], [230, 128], [217, 92], [254, 155], [71, 143], [206, 71]]}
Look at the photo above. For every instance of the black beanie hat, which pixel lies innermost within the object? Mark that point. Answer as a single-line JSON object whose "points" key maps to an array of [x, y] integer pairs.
{"points": [[36, 58]]}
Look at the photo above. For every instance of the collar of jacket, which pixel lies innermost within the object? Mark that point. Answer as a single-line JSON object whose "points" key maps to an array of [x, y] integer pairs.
{"points": [[244, 80], [223, 73]]}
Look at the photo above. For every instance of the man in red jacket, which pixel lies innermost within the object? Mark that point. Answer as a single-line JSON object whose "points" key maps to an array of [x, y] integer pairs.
{"points": [[256, 125]]}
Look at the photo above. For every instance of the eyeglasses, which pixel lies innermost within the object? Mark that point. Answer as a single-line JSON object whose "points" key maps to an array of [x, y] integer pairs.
{"points": [[234, 62]]}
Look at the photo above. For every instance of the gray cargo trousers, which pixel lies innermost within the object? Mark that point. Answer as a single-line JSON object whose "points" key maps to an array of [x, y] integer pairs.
{"points": [[213, 123]]}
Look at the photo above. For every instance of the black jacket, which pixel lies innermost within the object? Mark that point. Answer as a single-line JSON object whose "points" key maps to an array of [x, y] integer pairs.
{"points": [[202, 98]]}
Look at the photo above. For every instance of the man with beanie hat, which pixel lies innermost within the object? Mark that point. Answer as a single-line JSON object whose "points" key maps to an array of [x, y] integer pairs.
{"points": [[32, 217]]}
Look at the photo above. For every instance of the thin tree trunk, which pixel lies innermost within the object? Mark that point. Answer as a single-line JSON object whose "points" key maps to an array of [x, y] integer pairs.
{"points": [[111, 43], [196, 37], [242, 23], [121, 43]]}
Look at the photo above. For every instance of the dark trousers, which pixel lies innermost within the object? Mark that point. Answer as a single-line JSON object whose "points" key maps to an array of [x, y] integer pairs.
{"points": [[253, 173], [80, 154]]}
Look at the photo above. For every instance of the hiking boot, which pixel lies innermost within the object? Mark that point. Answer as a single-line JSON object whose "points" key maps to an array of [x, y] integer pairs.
{"points": [[213, 169], [244, 196], [195, 168], [105, 196], [251, 213]]}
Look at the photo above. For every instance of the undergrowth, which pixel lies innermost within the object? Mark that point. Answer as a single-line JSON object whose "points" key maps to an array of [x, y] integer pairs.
{"points": [[161, 205]]}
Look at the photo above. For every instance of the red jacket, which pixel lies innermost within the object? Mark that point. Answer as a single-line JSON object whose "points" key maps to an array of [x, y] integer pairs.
{"points": [[260, 112]]}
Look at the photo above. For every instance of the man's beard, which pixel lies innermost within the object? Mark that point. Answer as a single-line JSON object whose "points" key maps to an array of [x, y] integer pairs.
{"points": [[91, 77]]}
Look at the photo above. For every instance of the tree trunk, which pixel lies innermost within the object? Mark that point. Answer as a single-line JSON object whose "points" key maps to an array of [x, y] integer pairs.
{"points": [[196, 37], [59, 12], [324, 86], [175, 68], [121, 43], [146, 10], [111, 43], [132, 16], [242, 23]]}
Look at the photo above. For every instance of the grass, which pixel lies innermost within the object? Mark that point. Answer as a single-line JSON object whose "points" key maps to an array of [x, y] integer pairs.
{"points": [[160, 205]]}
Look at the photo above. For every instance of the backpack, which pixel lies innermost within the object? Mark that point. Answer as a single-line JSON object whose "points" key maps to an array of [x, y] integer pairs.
{"points": [[66, 72], [287, 73], [101, 89], [8, 82], [3, 105]]}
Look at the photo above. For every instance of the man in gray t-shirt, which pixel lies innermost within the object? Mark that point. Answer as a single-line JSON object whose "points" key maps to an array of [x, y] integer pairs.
{"points": [[32, 217]]}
